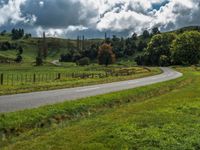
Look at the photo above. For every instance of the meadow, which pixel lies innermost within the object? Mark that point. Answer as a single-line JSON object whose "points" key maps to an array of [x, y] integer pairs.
{"points": [[159, 116], [25, 77]]}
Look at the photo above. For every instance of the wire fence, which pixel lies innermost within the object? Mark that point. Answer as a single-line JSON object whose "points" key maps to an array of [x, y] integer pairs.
{"points": [[35, 78]]}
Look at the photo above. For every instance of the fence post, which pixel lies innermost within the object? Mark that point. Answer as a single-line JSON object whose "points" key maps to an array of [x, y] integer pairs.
{"points": [[34, 78], [2, 79]]}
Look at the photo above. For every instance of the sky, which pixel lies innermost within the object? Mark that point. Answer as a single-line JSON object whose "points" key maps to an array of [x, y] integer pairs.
{"points": [[92, 18]]}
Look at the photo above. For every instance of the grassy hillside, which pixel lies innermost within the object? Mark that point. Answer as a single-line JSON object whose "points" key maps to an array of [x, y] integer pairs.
{"points": [[160, 116], [56, 47]]}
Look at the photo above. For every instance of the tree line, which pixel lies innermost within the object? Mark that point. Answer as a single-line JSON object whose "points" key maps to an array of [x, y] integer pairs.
{"points": [[171, 49]]}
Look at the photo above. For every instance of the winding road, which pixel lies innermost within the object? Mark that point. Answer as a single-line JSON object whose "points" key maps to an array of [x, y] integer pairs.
{"points": [[17, 102]]}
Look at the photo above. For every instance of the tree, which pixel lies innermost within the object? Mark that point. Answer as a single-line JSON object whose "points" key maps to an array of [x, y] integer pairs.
{"points": [[17, 33], [39, 61], [117, 45], [164, 60], [159, 45], [141, 45], [18, 59], [3, 32], [155, 31], [39, 58], [130, 47], [186, 48], [134, 36], [146, 34], [106, 55]]}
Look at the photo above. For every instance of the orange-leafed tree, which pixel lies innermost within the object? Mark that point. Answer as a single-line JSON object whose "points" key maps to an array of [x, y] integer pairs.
{"points": [[106, 55]]}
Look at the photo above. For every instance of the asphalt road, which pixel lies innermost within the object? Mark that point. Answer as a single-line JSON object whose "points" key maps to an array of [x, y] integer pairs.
{"points": [[17, 102]]}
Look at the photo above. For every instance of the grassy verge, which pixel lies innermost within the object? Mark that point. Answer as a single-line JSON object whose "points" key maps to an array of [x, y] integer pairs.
{"points": [[66, 82], [37, 121]]}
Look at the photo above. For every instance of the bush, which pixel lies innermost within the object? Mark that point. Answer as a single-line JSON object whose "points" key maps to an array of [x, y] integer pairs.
{"points": [[83, 61]]}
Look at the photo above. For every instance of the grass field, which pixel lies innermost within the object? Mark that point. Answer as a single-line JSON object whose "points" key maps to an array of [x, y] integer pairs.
{"points": [[160, 116], [19, 78]]}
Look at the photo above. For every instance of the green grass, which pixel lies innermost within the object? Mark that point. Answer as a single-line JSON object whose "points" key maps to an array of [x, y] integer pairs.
{"points": [[25, 71], [160, 116]]}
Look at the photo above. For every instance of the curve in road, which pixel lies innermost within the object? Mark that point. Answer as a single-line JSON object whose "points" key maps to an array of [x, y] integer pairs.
{"points": [[17, 102]]}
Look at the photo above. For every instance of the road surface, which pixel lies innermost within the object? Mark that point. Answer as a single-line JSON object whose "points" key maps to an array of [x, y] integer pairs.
{"points": [[56, 63], [17, 102]]}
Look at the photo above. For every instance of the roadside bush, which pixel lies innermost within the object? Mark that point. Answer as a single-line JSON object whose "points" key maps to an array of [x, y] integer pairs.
{"points": [[83, 61]]}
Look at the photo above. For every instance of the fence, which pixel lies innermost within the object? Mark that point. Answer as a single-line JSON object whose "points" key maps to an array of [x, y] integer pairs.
{"points": [[35, 78]]}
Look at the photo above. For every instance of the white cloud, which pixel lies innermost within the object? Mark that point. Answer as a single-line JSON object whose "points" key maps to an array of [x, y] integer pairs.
{"points": [[11, 12]]}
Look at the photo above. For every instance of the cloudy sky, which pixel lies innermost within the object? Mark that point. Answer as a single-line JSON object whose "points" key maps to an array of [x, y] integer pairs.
{"points": [[69, 18]]}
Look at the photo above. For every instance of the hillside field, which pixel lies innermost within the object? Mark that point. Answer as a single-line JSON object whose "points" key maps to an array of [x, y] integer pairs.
{"points": [[160, 116]]}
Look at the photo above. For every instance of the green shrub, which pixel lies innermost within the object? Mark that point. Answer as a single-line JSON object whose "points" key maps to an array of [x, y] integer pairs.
{"points": [[83, 61]]}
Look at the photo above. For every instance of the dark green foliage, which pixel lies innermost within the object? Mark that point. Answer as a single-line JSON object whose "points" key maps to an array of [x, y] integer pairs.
{"points": [[186, 48], [164, 60], [66, 57], [83, 61], [20, 50], [17, 33], [141, 45], [39, 61], [91, 52], [27, 36], [18, 59], [159, 45], [3, 33], [146, 34], [130, 47], [155, 31], [134, 36], [117, 45], [76, 56]]}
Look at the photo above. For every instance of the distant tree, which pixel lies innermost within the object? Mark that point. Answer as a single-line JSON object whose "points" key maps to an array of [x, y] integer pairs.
{"points": [[155, 31], [130, 47], [17, 33], [20, 50], [27, 36], [186, 48], [146, 34], [91, 52], [44, 46], [39, 58], [117, 45], [76, 56], [141, 45], [3, 32], [18, 58], [134, 36], [66, 57], [106, 55], [39, 61]]}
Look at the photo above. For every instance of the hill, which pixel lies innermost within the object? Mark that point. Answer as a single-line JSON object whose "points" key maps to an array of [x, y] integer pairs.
{"points": [[58, 46]]}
